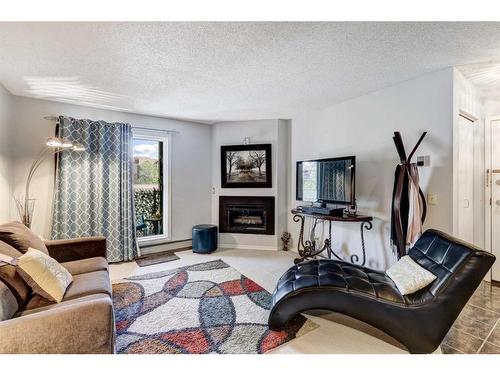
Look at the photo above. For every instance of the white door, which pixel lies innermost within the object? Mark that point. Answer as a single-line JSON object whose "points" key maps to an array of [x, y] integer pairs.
{"points": [[466, 179], [495, 197]]}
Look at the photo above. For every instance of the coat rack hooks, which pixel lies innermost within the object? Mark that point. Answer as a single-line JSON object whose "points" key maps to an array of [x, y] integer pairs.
{"points": [[409, 208]]}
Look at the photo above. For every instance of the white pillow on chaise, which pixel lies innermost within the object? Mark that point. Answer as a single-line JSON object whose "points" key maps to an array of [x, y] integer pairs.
{"points": [[409, 276]]}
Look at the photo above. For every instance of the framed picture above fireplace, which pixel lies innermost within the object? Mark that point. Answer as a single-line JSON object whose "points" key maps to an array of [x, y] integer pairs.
{"points": [[246, 166]]}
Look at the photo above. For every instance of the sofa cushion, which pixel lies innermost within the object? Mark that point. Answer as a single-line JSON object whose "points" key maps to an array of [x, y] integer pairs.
{"points": [[78, 267], [53, 306], [8, 303], [84, 325], [21, 237], [83, 285]]}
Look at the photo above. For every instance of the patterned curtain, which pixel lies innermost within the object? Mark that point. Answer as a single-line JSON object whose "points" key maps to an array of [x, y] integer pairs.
{"points": [[331, 180], [93, 193]]}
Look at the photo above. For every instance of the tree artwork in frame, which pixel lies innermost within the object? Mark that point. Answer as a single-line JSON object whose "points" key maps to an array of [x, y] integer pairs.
{"points": [[246, 166]]}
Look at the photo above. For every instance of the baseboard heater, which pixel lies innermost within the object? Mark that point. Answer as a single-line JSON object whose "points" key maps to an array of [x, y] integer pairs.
{"points": [[178, 245]]}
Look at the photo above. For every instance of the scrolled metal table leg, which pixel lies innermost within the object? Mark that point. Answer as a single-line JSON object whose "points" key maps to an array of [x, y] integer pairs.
{"points": [[300, 242], [307, 249], [329, 248], [364, 225]]}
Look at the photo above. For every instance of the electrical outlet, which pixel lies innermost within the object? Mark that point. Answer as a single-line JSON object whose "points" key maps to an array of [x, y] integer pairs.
{"points": [[423, 161], [432, 199]]}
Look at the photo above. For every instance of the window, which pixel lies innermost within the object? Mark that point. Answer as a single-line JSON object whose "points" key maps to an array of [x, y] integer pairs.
{"points": [[310, 181], [150, 184]]}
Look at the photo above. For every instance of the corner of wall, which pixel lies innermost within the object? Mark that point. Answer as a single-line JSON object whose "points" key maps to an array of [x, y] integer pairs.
{"points": [[467, 101], [6, 158]]}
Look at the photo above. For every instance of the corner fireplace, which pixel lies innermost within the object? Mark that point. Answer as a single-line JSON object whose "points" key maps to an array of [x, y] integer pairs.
{"points": [[251, 215]]}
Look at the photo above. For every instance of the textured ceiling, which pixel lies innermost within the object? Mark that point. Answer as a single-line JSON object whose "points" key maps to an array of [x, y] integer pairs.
{"points": [[229, 71], [485, 77]]}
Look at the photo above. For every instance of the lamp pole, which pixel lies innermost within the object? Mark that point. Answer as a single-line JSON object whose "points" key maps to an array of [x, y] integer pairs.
{"points": [[56, 145]]}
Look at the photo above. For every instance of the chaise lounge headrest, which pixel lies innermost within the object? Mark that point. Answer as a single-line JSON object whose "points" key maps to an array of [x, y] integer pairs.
{"points": [[442, 255]]}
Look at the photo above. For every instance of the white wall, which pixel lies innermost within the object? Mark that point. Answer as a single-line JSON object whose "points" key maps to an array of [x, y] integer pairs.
{"points": [[5, 154], [492, 107], [364, 127], [191, 159], [467, 101], [274, 132]]}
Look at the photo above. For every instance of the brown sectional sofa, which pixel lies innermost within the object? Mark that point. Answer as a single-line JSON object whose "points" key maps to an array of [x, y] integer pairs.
{"points": [[82, 323]]}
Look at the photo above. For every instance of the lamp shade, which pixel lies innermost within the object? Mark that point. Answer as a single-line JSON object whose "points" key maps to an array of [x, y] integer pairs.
{"points": [[78, 147], [53, 142], [66, 143]]}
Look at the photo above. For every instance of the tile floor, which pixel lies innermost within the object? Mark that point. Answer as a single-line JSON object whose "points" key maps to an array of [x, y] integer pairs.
{"points": [[477, 329]]}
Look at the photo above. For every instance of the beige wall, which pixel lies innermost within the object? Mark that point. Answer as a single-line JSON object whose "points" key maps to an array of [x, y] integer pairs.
{"points": [[364, 127], [274, 132], [5, 154], [190, 165]]}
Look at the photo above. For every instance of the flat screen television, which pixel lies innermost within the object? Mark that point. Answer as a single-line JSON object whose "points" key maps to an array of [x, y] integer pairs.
{"points": [[327, 180]]}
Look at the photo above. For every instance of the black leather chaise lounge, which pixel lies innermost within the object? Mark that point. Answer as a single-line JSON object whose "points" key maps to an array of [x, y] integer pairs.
{"points": [[418, 321]]}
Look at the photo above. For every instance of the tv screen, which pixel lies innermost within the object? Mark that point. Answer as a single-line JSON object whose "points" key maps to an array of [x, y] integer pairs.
{"points": [[327, 180]]}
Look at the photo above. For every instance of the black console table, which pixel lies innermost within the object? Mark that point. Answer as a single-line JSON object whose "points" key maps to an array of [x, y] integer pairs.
{"points": [[307, 248]]}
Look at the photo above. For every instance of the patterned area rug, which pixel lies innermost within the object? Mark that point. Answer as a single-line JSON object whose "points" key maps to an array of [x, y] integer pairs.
{"points": [[203, 308]]}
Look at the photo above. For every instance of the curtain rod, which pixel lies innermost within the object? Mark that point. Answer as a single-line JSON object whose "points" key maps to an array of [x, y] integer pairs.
{"points": [[168, 131]]}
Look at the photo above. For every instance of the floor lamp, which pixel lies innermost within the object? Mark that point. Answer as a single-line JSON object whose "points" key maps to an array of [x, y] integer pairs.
{"points": [[53, 146]]}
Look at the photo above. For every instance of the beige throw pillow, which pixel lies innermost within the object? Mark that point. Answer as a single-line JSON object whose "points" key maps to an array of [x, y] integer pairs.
{"points": [[409, 276], [44, 274]]}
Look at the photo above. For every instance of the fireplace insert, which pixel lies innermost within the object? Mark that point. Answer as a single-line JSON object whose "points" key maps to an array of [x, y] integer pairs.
{"points": [[252, 215]]}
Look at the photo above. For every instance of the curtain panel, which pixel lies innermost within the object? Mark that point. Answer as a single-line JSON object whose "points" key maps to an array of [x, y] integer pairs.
{"points": [[93, 188]]}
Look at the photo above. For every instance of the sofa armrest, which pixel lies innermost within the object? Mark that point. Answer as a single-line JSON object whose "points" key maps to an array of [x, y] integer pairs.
{"points": [[85, 326], [76, 249]]}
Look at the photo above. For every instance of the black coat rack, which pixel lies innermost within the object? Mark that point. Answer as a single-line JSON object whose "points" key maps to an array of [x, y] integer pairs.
{"points": [[405, 170]]}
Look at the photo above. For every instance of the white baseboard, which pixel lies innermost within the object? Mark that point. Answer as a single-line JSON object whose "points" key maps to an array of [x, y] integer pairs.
{"points": [[247, 247], [188, 243], [166, 247]]}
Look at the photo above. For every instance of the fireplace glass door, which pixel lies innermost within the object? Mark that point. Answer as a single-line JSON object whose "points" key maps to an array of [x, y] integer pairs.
{"points": [[247, 217]]}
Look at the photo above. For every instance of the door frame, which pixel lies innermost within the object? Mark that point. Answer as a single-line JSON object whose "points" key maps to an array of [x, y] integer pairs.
{"points": [[487, 185], [482, 161], [474, 122], [478, 183]]}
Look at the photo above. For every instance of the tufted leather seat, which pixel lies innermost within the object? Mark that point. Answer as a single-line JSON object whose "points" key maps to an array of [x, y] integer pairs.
{"points": [[336, 274], [371, 296]]}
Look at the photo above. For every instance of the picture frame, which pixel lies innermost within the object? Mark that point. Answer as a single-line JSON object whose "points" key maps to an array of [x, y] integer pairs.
{"points": [[246, 166]]}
